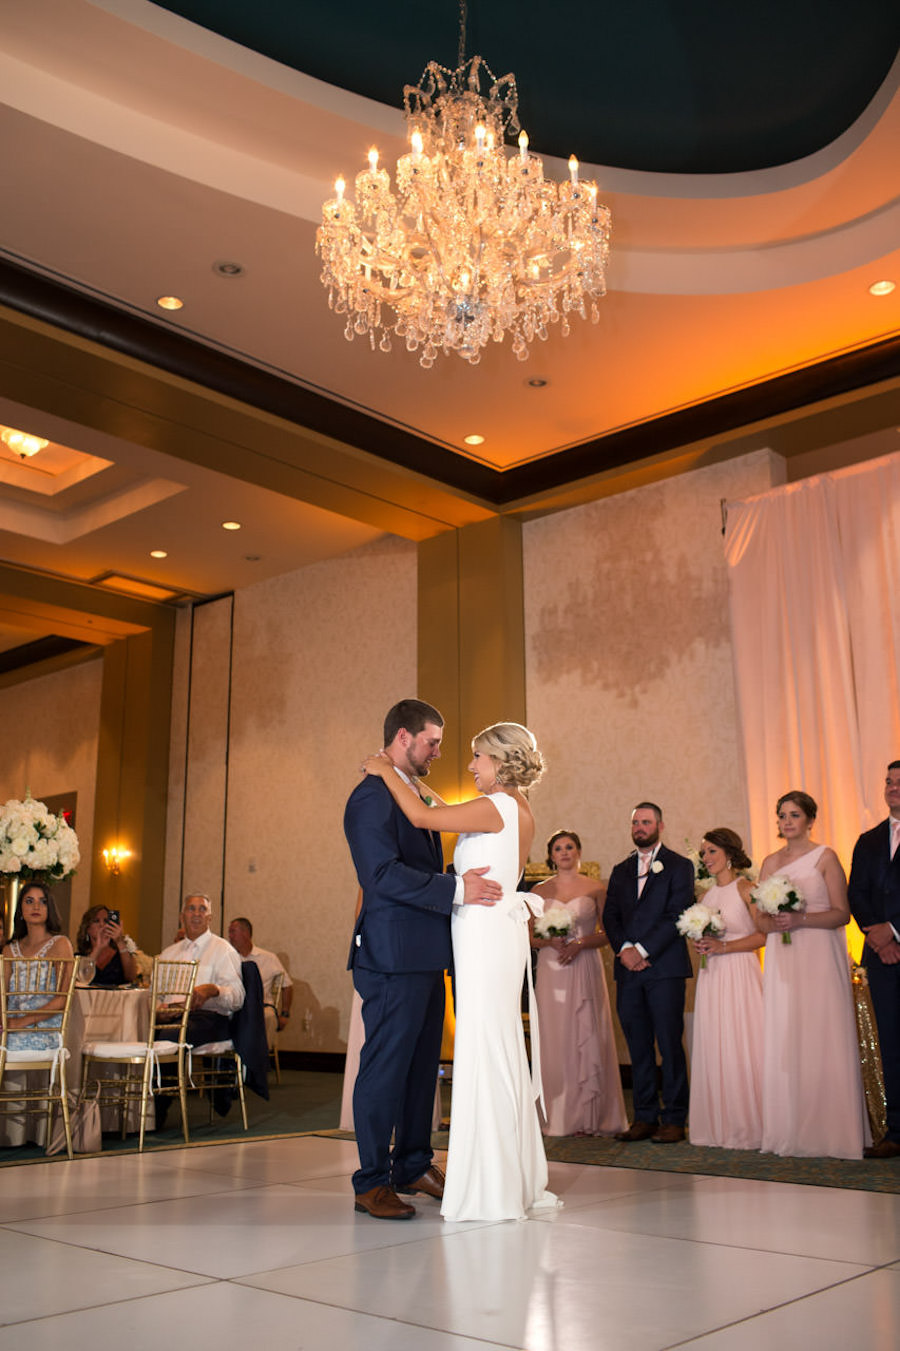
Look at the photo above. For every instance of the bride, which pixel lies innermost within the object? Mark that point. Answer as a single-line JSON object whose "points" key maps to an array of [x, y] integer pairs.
{"points": [[496, 1166]]}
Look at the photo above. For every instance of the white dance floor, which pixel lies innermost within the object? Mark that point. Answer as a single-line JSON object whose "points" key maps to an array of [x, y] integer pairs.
{"points": [[257, 1245]]}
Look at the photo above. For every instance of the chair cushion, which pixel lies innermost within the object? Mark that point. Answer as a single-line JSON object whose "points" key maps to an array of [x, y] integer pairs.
{"points": [[47, 1057], [214, 1048], [114, 1050]]}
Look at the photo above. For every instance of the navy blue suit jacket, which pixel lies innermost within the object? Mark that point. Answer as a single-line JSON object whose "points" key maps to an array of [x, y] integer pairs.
{"points": [[404, 923], [874, 886], [650, 921]]}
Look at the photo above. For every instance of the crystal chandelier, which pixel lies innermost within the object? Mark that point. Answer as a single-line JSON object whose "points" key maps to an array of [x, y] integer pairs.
{"points": [[475, 242]]}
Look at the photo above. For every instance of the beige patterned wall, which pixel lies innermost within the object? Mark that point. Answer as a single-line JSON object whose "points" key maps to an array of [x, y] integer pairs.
{"points": [[50, 746], [629, 677], [319, 655]]}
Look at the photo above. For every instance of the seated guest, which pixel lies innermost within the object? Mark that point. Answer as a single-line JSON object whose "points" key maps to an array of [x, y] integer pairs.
{"points": [[240, 936], [102, 939], [218, 991], [35, 1015]]}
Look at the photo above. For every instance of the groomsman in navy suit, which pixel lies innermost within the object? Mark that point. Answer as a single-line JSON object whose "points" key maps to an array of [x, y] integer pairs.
{"points": [[874, 894], [646, 894], [400, 950]]}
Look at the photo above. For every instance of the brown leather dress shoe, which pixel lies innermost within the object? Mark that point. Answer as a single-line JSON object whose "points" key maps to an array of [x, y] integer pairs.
{"points": [[383, 1203], [429, 1184], [638, 1130], [668, 1134], [885, 1149]]}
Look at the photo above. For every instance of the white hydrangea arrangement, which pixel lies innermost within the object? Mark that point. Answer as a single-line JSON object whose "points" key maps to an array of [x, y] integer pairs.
{"points": [[700, 921], [776, 896], [555, 922], [36, 845]]}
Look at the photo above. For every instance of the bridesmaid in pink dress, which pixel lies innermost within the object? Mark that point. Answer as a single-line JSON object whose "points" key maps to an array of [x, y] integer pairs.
{"points": [[813, 1101], [726, 1055], [579, 1061]]}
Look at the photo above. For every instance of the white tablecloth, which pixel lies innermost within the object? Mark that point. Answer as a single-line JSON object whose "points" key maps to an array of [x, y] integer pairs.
{"points": [[97, 1014]]}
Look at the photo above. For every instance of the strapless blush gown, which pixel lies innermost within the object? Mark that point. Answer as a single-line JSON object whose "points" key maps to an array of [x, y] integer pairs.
{"points": [[579, 1062]]}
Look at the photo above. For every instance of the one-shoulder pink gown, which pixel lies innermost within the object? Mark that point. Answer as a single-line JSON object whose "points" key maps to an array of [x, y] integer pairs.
{"points": [[813, 1101]]}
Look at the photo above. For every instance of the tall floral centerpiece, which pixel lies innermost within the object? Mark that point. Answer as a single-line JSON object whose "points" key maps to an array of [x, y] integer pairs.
{"points": [[36, 845]]}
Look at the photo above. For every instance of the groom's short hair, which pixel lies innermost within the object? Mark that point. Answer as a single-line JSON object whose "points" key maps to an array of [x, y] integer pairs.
{"points": [[412, 714]]}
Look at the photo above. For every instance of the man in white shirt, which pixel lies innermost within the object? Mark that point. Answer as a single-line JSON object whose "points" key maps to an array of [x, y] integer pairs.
{"points": [[240, 936], [219, 990]]}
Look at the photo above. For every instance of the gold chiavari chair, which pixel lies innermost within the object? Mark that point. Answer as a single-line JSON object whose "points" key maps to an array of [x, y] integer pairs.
{"points": [[172, 984], [275, 1003], [26, 984]]}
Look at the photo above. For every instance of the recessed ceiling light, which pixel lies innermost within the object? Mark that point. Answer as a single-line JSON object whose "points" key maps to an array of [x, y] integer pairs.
{"points": [[231, 525], [159, 553], [474, 440], [882, 288], [169, 303], [229, 269], [23, 444], [537, 382]]}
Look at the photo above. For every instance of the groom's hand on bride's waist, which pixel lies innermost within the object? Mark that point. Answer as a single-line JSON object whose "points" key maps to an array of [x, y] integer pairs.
{"points": [[478, 889]]}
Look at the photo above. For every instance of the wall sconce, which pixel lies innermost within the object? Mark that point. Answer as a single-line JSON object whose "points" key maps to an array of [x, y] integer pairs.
{"points": [[114, 857]]}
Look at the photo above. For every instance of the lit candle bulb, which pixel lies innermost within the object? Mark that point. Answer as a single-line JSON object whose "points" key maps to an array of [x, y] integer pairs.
{"points": [[339, 186], [523, 146], [417, 143], [480, 133], [573, 168], [373, 159]]}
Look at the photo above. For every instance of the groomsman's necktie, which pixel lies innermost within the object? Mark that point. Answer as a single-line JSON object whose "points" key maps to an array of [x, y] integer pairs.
{"points": [[895, 834]]}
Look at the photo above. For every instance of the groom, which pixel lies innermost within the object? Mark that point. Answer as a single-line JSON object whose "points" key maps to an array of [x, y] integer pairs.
{"points": [[400, 950]]}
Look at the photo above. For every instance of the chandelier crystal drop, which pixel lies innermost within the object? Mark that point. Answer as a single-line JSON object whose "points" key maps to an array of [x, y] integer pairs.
{"points": [[474, 242]]}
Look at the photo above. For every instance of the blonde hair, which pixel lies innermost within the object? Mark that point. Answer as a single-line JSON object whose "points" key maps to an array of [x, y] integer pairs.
{"points": [[514, 751]]}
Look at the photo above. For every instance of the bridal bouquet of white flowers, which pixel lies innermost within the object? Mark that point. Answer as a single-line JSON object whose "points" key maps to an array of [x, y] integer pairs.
{"points": [[700, 921], [556, 922], [36, 845], [777, 895]]}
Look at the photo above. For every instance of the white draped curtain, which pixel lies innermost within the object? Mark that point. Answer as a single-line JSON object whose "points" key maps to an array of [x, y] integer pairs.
{"points": [[814, 580]]}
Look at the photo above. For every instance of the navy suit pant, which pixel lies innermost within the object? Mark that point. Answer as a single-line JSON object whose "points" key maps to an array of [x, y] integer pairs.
{"points": [[403, 1017], [652, 1014]]}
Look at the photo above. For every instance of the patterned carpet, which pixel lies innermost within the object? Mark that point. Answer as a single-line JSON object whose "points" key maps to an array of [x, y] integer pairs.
{"points": [[308, 1102]]}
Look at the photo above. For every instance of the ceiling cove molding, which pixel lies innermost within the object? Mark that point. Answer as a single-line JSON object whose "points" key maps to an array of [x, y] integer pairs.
{"points": [[129, 335]]}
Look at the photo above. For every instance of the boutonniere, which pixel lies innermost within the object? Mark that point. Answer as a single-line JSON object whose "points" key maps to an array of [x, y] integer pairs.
{"points": [[656, 866], [428, 800]]}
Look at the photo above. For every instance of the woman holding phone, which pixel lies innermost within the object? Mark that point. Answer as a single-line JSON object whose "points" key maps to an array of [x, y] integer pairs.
{"points": [[102, 940]]}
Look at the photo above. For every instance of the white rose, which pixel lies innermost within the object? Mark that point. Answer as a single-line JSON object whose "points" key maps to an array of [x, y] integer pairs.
{"points": [[656, 866]]}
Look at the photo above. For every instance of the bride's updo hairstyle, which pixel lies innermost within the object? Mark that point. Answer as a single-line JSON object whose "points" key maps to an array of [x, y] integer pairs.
{"points": [[514, 751]]}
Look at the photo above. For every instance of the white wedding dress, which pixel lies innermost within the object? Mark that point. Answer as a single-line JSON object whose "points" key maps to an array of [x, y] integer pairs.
{"points": [[496, 1166]]}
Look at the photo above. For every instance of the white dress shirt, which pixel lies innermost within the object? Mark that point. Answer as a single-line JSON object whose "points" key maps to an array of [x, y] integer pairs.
{"points": [[219, 964], [269, 966]]}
